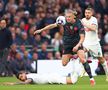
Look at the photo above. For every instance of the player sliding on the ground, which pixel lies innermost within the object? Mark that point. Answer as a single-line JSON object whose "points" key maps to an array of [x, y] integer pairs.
{"points": [[73, 37], [49, 78]]}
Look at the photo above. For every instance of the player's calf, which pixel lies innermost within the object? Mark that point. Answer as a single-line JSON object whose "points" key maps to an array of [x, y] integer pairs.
{"points": [[105, 66], [72, 78], [65, 59]]}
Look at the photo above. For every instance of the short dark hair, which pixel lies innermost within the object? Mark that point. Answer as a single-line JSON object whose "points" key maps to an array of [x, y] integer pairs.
{"points": [[89, 8], [20, 72], [4, 18]]}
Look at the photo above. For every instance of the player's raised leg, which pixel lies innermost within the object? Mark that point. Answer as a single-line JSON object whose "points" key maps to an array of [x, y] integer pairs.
{"points": [[66, 59], [87, 68], [59, 79]]}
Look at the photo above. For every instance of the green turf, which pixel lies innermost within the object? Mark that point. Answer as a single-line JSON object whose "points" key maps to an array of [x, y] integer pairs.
{"points": [[82, 84]]}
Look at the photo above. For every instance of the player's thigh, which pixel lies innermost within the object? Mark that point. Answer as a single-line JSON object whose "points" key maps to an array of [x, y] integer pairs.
{"points": [[66, 59], [95, 50], [101, 59], [81, 55]]}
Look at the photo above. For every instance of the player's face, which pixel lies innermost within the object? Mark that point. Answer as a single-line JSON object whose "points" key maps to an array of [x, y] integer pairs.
{"points": [[2, 23], [88, 14], [22, 77], [69, 17]]}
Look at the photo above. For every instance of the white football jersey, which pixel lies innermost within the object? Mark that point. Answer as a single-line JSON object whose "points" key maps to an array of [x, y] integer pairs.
{"points": [[46, 78], [38, 79], [91, 37]]}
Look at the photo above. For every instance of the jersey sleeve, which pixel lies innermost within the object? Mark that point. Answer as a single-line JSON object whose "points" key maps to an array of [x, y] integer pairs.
{"points": [[81, 28], [29, 76], [94, 21]]}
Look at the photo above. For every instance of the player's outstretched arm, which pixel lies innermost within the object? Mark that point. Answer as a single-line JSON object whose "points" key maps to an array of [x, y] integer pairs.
{"points": [[51, 26], [17, 83], [82, 37], [91, 27]]}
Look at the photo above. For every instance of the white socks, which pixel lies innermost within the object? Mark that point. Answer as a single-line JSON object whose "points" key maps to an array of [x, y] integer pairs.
{"points": [[105, 67], [74, 78]]}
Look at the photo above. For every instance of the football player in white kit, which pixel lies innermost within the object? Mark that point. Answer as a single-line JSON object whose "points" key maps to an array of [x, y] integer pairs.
{"points": [[91, 42], [49, 78]]}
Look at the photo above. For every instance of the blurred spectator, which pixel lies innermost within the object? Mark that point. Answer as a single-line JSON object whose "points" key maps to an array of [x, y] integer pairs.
{"points": [[31, 38], [99, 16], [34, 62], [27, 57], [38, 40], [18, 64], [10, 3], [12, 53], [30, 6], [43, 53], [106, 38], [21, 3], [57, 55], [22, 26], [5, 44], [34, 50], [50, 56], [57, 41], [101, 6], [34, 56], [26, 16], [45, 37], [106, 56], [105, 47], [24, 39], [16, 21], [22, 49], [14, 37], [2, 11]]}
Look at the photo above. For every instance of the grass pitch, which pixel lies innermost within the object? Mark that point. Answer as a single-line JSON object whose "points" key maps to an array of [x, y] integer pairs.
{"points": [[82, 84]]}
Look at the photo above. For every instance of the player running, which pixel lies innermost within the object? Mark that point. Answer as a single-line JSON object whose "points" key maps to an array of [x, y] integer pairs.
{"points": [[73, 37], [52, 78], [91, 42]]}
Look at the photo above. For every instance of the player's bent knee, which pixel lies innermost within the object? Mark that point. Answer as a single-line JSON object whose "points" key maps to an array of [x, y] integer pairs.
{"points": [[74, 80], [82, 61], [102, 60], [64, 63]]}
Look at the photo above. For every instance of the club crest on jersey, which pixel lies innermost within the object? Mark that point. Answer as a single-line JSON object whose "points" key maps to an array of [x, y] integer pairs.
{"points": [[75, 28]]}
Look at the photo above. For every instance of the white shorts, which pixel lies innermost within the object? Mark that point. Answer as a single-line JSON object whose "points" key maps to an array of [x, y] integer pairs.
{"points": [[95, 50]]}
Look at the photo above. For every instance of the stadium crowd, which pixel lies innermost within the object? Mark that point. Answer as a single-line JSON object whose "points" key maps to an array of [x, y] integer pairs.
{"points": [[25, 16]]}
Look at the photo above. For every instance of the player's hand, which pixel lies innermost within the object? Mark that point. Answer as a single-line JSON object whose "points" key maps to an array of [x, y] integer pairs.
{"points": [[84, 24], [8, 83], [37, 31], [75, 48]]}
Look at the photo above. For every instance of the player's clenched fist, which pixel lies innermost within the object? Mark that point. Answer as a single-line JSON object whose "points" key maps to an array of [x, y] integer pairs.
{"points": [[37, 31]]}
